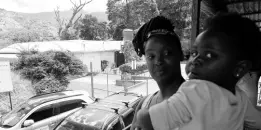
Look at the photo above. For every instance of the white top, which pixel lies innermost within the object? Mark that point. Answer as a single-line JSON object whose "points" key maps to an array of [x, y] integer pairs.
{"points": [[248, 84], [202, 105]]}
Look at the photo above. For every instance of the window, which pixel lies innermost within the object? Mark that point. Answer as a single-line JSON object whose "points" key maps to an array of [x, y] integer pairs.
{"points": [[119, 125], [70, 105], [129, 117], [42, 113]]}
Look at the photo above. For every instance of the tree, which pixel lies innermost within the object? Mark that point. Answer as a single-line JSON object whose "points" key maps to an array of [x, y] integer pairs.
{"points": [[63, 28], [179, 11], [117, 34], [140, 11], [22, 35], [91, 29], [129, 52], [43, 67], [131, 13]]}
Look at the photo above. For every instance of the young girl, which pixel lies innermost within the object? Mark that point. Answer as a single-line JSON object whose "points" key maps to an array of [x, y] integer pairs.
{"points": [[210, 100]]}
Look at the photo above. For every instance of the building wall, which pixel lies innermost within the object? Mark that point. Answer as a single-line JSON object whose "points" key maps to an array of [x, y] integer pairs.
{"points": [[95, 58], [109, 56]]}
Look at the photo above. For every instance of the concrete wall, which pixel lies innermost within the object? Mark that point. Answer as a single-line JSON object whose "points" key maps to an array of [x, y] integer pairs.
{"points": [[109, 56], [95, 58]]}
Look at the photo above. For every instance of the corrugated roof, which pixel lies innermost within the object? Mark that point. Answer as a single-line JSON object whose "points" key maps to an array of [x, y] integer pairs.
{"points": [[69, 45], [247, 8]]}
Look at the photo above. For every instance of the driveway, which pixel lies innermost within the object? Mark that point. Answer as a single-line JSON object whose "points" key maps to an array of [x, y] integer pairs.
{"points": [[100, 84]]}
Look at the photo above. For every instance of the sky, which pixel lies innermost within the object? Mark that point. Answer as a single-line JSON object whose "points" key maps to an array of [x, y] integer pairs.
{"points": [[35, 6]]}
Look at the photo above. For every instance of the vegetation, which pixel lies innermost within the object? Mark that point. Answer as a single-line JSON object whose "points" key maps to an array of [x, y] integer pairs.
{"points": [[22, 90], [104, 64], [129, 52], [68, 30], [135, 13], [48, 71], [91, 29], [140, 68]]}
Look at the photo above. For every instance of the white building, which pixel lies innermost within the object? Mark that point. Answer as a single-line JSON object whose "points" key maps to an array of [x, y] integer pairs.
{"points": [[86, 50]]}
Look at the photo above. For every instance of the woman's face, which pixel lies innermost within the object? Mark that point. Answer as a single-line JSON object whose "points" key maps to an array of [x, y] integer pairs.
{"points": [[211, 59], [163, 59]]}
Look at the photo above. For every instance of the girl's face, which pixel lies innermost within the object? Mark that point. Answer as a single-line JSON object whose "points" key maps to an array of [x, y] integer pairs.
{"points": [[212, 59], [163, 59]]}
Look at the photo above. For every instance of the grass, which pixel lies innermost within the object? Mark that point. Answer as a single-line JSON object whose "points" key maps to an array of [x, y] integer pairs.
{"points": [[21, 92]]}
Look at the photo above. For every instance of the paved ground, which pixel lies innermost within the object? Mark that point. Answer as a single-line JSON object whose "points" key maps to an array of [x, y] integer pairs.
{"points": [[100, 84], [145, 89]]}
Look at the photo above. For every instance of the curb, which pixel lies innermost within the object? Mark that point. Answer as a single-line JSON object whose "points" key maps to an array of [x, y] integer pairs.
{"points": [[138, 84], [134, 86]]}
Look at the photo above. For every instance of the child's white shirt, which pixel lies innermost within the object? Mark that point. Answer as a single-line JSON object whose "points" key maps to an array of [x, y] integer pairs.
{"points": [[202, 105], [248, 84]]}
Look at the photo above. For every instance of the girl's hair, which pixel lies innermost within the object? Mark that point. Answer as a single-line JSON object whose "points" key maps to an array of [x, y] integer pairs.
{"points": [[159, 25], [243, 33]]}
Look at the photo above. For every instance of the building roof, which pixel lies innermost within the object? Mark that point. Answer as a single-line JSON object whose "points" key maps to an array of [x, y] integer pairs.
{"points": [[247, 8], [68, 45]]}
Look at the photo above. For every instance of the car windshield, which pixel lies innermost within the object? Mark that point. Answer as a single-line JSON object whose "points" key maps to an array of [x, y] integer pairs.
{"points": [[70, 125], [14, 116]]}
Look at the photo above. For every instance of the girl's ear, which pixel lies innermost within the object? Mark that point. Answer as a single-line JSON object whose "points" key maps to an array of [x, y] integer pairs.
{"points": [[242, 68]]}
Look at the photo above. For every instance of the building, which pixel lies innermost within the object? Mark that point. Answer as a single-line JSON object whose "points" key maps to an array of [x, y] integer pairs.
{"points": [[86, 50]]}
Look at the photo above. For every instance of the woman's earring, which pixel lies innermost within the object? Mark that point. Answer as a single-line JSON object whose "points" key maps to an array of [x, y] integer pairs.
{"points": [[237, 75]]}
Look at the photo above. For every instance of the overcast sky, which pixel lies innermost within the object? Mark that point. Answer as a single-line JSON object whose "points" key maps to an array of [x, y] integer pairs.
{"points": [[35, 6]]}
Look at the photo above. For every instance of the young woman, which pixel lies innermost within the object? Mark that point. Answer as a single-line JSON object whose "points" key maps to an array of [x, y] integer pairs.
{"points": [[157, 41]]}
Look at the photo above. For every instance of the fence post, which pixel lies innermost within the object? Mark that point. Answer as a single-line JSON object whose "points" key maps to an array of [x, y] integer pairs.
{"points": [[107, 84], [92, 80], [134, 78], [147, 85], [10, 98]]}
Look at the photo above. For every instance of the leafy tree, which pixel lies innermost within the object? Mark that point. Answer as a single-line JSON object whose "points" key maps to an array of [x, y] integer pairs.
{"points": [[43, 67], [117, 35], [134, 13], [179, 11], [66, 29], [131, 14], [91, 29], [23, 35]]}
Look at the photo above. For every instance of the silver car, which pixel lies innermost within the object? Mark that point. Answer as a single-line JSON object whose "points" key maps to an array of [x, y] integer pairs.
{"points": [[44, 112]]}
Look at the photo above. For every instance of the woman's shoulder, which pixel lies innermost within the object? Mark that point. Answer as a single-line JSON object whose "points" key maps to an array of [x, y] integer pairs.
{"points": [[145, 101]]}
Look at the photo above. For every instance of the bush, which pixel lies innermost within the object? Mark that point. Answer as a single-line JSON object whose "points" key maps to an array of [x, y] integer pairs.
{"points": [[43, 67], [125, 68], [140, 68], [49, 85], [104, 64]]}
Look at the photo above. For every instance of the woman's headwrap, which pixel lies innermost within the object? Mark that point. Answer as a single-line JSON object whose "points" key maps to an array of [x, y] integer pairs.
{"points": [[156, 26]]}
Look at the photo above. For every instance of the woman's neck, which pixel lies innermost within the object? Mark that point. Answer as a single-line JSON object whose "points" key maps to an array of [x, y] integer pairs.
{"points": [[168, 89]]}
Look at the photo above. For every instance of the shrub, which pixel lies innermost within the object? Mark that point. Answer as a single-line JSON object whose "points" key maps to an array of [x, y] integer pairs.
{"points": [[104, 64], [49, 85], [42, 67], [140, 68], [125, 68]]}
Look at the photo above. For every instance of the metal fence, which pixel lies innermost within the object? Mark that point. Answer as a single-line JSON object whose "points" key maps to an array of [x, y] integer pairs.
{"points": [[102, 84]]}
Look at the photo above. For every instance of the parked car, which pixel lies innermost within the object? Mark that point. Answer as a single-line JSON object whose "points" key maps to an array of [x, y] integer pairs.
{"points": [[44, 112], [112, 113]]}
